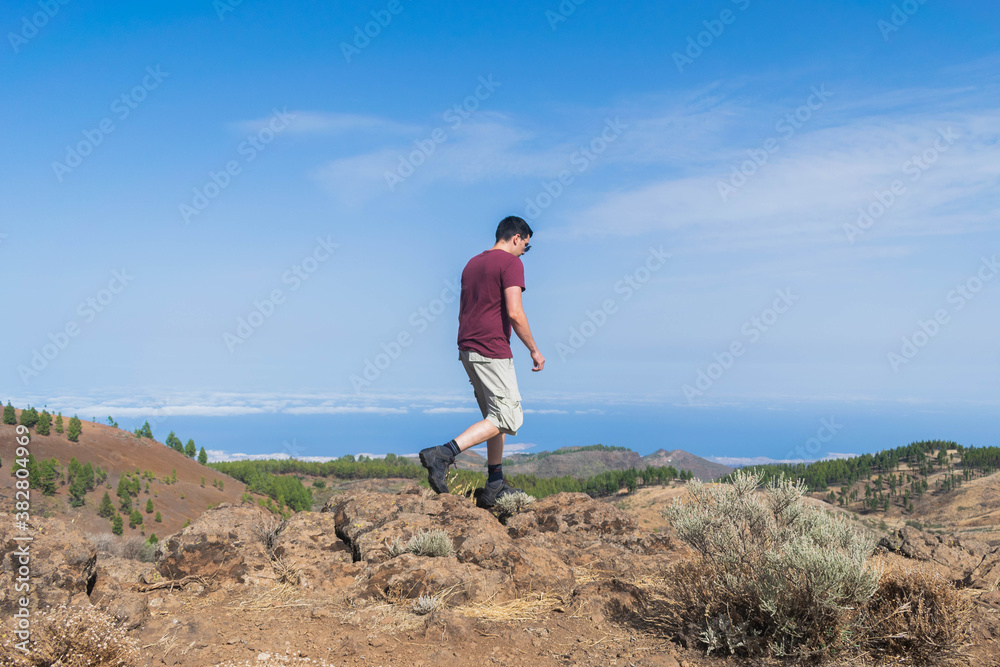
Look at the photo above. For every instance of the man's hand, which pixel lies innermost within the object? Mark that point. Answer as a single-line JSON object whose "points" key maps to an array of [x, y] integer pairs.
{"points": [[539, 360]]}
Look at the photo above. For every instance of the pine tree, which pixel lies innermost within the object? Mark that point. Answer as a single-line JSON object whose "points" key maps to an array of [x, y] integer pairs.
{"points": [[44, 423], [173, 477], [107, 508], [189, 448], [59, 422], [203, 456], [75, 429], [173, 442], [77, 492], [9, 416], [29, 417], [47, 476], [116, 525], [158, 518], [144, 431], [149, 506], [134, 518]]}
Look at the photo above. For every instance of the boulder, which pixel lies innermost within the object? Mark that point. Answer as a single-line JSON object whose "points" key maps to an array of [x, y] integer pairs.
{"points": [[410, 576], [120, 600], [60, 563], [308, 547], [225, 545]]}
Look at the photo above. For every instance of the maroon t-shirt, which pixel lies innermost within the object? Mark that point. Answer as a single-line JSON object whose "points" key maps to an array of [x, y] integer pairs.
{"points": [[483, 323]]}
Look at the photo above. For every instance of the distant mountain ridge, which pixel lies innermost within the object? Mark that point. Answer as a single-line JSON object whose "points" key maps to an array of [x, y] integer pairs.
{"points": [[584, 462]]}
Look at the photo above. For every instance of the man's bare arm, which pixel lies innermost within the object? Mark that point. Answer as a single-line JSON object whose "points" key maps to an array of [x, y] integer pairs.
{"points": [[519, 323]]}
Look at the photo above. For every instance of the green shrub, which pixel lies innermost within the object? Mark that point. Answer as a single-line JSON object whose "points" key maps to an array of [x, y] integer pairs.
{"points": [[774, 577]]}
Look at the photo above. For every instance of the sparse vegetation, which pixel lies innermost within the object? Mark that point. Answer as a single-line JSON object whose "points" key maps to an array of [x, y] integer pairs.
{"points": [[916, 614], [774, 577], [513, 503], [425, 604], [75, 636], [424, 543]]}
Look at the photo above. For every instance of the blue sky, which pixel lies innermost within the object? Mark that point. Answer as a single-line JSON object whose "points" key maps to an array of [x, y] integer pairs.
{"points": [[217, 156]]}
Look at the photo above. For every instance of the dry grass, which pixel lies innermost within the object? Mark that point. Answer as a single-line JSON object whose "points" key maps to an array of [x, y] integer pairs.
{"points": [[917, 613], [282, 595], [72, 637], [528, 608]]}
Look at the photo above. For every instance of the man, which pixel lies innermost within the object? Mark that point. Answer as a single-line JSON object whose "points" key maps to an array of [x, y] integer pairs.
{"points": [[490, 305]]}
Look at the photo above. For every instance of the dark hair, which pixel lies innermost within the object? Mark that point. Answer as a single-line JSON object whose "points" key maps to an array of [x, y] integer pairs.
{"points": [[511, 226]]}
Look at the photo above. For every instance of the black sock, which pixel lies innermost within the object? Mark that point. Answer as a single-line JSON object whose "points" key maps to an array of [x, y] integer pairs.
{"points": [[453, 447], [496, 473]]}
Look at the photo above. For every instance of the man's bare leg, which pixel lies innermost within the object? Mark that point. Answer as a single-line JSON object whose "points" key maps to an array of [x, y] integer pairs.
{"points": [[481, 431], [494, 450]]}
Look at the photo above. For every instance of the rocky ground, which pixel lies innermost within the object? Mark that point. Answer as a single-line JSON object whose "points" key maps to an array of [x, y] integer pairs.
{"points": [[553, 585]]}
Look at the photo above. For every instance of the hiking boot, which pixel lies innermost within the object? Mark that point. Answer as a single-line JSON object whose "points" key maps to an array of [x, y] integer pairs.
{"points": [[492, 492], [436, 460]]}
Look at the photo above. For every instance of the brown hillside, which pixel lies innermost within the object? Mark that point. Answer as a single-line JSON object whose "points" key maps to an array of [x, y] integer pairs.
{"points": [[703, 469], [571, 461], [118, 451]]}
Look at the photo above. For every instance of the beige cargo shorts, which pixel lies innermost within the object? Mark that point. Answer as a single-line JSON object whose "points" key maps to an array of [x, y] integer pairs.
{"points": [[495, 386]]}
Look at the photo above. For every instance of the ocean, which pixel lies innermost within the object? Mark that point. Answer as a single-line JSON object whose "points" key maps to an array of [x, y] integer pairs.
{"points": [[736, 434]]}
